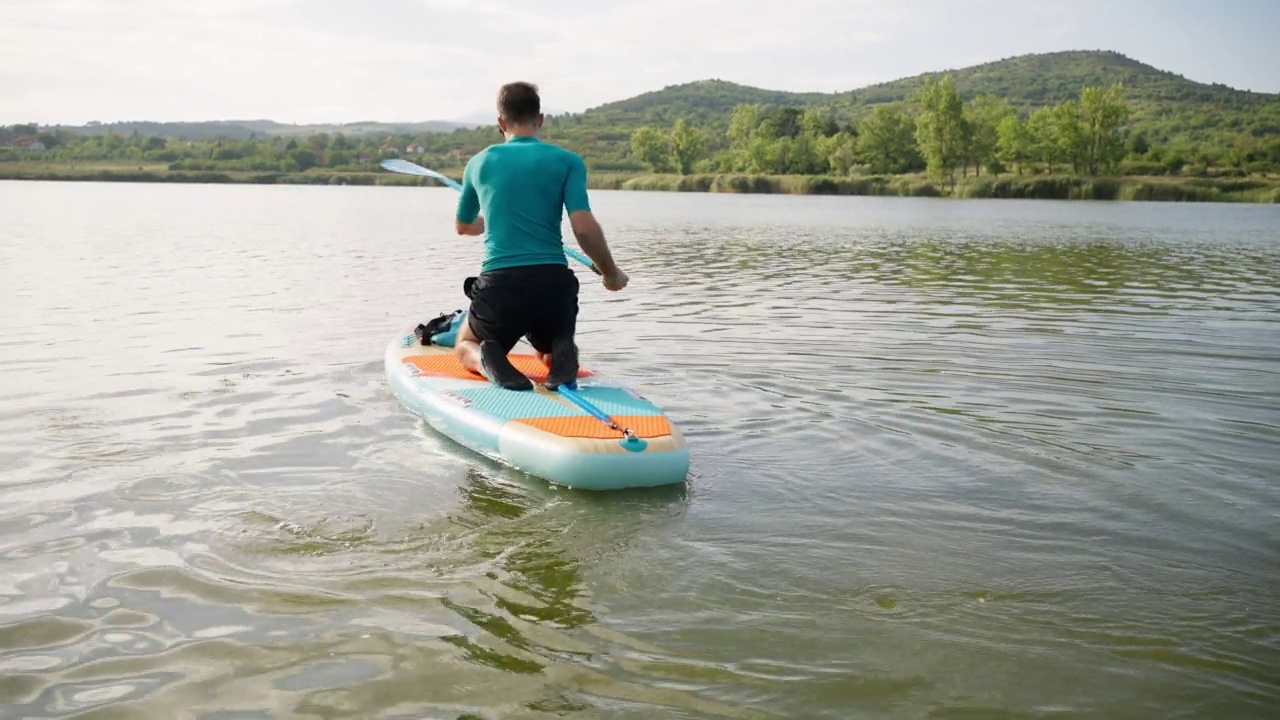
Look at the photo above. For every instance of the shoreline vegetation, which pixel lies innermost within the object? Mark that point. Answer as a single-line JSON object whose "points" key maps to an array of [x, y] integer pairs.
{"points": [[1253, 189], [1070, 125]]}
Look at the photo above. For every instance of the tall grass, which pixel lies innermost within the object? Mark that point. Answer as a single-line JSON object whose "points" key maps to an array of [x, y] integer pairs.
{"points": [[1157, 189], [1043, 187], [781, 184], [1039, 187]]}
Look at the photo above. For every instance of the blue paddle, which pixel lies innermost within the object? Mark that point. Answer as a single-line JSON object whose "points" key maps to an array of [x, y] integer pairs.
{"points": [[407, 168]]}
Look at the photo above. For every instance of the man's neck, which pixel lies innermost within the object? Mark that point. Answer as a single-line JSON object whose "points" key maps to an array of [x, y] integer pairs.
{"points": [[521, 131]]}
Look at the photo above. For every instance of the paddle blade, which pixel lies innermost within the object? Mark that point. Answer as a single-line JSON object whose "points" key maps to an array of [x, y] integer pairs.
{"points": [[404, 166]]}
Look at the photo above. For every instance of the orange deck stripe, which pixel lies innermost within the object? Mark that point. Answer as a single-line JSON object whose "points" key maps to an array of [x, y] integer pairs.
{"points": [[585, 426], [447, 365]]}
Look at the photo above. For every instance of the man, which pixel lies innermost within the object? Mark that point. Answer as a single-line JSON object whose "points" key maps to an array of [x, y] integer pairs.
{"points": [[525, 287]]}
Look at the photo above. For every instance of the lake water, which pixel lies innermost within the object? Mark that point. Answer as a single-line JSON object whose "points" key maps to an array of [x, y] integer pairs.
{"points": [[951, 459]]}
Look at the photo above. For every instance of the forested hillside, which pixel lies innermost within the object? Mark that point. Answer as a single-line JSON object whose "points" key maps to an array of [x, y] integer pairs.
{"points": [[1084, 113]]}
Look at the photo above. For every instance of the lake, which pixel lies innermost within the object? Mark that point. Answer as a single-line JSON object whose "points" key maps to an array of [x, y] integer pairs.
{"points": [[950, 459]]}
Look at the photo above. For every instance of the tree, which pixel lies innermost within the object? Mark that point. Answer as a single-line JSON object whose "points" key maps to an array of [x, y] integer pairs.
{"points": [[319, 142], [984, 116], [940, 127], [303, 159], [841, 152], [819, 123], [766, 155], [1138, 145], [686, 146], [744, 123], [1102, 112], [1068, 137], [805, 156], [1013, 141], [651, 148], [887, 139], [338, 158], [782, 122], [1040, 136]]}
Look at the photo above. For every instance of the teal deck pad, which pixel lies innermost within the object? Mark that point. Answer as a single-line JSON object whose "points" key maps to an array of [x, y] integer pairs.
{"points": [[512, 405], [617, 401]]}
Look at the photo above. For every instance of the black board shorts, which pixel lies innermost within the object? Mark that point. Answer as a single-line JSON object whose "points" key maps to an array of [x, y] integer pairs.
{"points": [[539, 302]]}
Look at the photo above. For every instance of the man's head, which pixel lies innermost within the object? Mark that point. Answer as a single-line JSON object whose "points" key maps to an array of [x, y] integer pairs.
{"points": [[519, 107]]}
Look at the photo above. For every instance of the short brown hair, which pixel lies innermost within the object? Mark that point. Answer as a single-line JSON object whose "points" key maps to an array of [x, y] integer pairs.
{"points": [[518, 102]]}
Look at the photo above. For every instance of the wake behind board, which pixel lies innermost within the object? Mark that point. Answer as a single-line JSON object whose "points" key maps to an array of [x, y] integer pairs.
{"points": [[539, 431]]}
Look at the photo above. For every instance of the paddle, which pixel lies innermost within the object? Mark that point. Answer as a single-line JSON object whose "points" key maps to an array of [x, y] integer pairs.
{"points": [[407, 168]]}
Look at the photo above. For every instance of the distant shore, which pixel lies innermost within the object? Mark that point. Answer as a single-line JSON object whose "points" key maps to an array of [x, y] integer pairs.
{"points": [[1046, 187]]}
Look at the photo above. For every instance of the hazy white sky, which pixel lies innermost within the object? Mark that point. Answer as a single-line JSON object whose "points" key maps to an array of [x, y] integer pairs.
{"points": [[71, 61]]}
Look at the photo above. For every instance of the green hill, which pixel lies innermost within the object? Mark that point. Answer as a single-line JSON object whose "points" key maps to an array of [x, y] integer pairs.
{"points": [[1048, 78], [1164, 124], [1187, 122], [1168, 106], [699, 102]]}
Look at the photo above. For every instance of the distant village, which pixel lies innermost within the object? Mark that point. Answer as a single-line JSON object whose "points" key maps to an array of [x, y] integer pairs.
{"points": [[23, 143], [19, 142], [33, 144]]}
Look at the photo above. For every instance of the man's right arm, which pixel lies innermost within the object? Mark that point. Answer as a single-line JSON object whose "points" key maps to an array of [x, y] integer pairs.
{"points": [[587, 229], [591, 238]]}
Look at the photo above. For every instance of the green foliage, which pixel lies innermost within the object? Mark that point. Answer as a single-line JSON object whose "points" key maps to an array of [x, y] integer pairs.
{"points": [[1168, 107], [680, 150], [819, 122], [652, 148], [1102, 113], [1085, 112], [785, 184], [1067, 137], [1014, 142], [940, 127], [686, 146], [982, 118], [887, 140]]}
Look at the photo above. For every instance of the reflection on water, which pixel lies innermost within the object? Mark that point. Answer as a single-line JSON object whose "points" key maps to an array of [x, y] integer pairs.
{"points": [[973, 459]]}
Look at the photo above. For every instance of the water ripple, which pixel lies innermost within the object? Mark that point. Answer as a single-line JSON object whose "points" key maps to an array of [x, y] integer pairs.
{"points": [[950, 460]]}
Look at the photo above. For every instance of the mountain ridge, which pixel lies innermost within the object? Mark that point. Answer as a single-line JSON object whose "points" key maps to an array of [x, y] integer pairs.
{"points": [[1027, 81]]}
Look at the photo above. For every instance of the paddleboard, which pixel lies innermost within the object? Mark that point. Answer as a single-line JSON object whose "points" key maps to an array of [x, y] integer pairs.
{"points": [[540, 432]]}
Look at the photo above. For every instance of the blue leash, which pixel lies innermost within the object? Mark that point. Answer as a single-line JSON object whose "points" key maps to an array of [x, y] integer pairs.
{"points": [[596, 412], [629, 439]]}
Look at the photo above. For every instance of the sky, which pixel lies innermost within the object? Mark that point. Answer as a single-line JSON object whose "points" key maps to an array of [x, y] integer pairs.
{"points": [[305, 61]]}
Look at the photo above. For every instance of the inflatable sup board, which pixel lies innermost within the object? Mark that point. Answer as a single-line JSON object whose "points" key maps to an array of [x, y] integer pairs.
{"points": [[546, 433]]}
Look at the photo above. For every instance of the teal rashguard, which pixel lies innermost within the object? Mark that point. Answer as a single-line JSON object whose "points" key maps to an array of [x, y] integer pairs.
{"points": [[520, 187]]}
